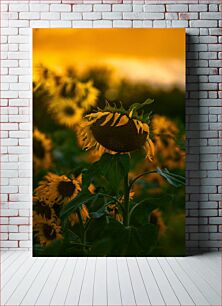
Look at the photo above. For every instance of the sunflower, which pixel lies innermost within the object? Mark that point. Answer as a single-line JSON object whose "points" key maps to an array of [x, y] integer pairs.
{"points": [[115, 130], [114, 212], [42, 209], [156, 219], [87, 94], [74, 218], [113, 209], [47, 231], [41, 150], [57, 189], [66, 111]]}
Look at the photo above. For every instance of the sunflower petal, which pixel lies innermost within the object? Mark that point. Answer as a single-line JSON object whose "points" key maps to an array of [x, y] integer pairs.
{"points": [[131, 114], [136, 125], [108, 118], [150, 149], [116, 117], [145, 127], [123, 121]]}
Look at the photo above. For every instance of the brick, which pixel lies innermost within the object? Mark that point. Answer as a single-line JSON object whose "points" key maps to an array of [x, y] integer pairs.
{"points": [[9, 244], [25, 244], [203, 23], [83, 7], [122, 7], [102, 7], [137, 7], [39, 7], [102, 24], [134, 15], [198, 7], [52, 16], [112, 15], [18, 23], [93, 15], [60, 8], [29, 15], [177, 8], [60, 24], [180, 23], [188, 16], [213, 7], [122, 23], [18, 236], [215, 220], [25, 229], [20, 7], [39, 24], [71, 16], [171, 16], [207, 15], [154, 8], [82, 24]]}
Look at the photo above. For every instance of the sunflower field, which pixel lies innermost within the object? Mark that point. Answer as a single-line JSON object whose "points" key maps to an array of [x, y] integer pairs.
{"points": [[108, 166]]}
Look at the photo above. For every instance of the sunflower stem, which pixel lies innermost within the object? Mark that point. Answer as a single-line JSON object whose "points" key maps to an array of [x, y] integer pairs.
{"points": [[126, 200], [82, 228], [139, 176]]}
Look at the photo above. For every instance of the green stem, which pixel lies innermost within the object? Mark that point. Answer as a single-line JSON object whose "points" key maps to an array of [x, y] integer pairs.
{"points": [[139, 176], [82, 228], [126, 200]]}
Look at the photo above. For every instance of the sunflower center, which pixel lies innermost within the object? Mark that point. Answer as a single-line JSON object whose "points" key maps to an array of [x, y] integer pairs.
{"points": [[69, 111], [49, 232], [119, 138], [43, 210], [66, 189], [38, 148]]}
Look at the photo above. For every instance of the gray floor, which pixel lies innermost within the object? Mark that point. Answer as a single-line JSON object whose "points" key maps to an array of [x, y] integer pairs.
{"points": [[191, 280]]}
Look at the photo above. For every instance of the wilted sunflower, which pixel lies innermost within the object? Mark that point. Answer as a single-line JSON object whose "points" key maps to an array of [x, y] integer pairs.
{"points": [[116, 130], [74, 218], [57, 189], [41, 150], [47, 231], [66, 111], [87, 94], [156, 219]]}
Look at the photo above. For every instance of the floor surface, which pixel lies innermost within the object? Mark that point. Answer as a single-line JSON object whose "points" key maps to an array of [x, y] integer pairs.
{"points": [[194, 280]]}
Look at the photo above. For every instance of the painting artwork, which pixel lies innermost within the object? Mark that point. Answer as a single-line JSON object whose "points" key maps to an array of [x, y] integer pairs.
{"points": [[108, 142]]}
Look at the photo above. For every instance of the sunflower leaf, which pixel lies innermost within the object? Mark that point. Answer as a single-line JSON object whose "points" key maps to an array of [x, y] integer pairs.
{"points": [[136, 106], [82, 198], [173, 179], [114, 168]]}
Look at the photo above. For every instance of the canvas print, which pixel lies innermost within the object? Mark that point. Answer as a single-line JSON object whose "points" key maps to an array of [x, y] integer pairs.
{"points": [[108, 142]]}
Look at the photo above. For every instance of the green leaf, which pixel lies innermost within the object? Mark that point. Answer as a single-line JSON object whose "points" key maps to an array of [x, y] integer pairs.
{"points": [[82, 198], [136, 106], [114, 168], [173, 179], [99, 213], [148, 101]]}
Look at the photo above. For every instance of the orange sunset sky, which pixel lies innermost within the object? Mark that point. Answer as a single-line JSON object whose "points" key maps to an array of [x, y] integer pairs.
{"points": [[153, 55]]}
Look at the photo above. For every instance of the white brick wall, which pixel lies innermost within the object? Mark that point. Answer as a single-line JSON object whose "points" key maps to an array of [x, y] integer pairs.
{"points": [[203, 104]]}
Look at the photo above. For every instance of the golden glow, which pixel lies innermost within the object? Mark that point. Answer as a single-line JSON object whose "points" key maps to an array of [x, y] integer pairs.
{"points": [[153, 55]]}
